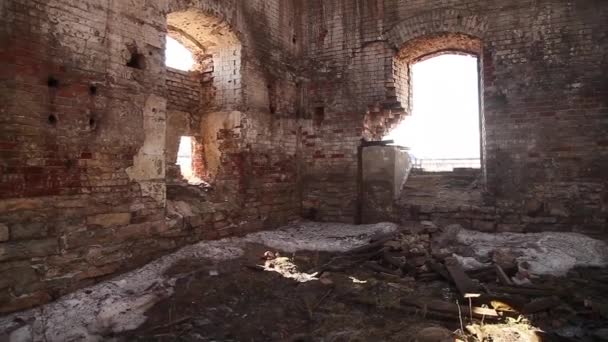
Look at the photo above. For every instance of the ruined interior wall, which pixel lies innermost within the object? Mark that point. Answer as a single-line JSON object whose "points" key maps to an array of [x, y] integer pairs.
{"points": [[83, 140], [543, 95]]}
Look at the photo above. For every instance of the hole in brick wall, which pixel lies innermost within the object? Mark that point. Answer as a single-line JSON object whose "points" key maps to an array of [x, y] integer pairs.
{"points": [[319, 116], [52, 119], [52, 82], [189, 160], [93, 90], [137, 61], [184, 157], [272, 108], [92, 123], [294, 39]]}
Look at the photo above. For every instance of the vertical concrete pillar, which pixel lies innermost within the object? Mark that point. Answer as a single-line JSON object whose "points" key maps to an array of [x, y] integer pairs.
{"points": [[384, 171]]}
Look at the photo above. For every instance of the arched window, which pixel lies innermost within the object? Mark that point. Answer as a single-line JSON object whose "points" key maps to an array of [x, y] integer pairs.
{"points": [[436, 82]]}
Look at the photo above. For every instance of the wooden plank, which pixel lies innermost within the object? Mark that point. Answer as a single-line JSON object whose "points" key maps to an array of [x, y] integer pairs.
{"points": [[446, 307], [464, 284], [521, 290], [502, 276], [380, 269]]}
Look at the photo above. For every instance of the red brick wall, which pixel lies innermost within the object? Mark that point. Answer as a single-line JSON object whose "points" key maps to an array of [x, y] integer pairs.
{"points": [[82, 196], [544, 95]]}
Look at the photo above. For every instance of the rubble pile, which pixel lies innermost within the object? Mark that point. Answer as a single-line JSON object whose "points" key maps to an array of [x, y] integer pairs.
{"points": [[499, 285], [338, 282]]}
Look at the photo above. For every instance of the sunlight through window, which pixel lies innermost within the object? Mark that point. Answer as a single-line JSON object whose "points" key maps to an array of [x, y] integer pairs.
{"points": [[445, 120], [178, 56], [184, 157]]}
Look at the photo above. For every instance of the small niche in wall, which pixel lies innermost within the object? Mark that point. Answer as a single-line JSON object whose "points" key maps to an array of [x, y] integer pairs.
{"points": [[272, 106], [318, 116], [136, 59], [52, 82], [52, 119], [92, 123], [93, 89]]}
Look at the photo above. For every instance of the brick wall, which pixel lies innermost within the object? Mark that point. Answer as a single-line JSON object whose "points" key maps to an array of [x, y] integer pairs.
{"points": [[86, 106], [543, 94], [87, 116], [184, 90]]}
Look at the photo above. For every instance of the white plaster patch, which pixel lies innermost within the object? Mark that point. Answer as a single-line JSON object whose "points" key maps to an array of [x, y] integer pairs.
{"points": [[548, 253], [149, 163], [317, 236]]}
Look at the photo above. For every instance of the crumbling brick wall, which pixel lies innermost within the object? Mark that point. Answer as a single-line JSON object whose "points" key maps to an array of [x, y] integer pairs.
{"points": [[83, 137], [543, 96]]}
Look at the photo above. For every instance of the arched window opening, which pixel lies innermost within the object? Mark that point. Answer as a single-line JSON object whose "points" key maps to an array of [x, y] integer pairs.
{"points": [[442, 131], [436, 87], [203, 82], [177, 56]]}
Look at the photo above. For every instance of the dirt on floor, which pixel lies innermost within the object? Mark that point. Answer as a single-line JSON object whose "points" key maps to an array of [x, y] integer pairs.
{"points": [[336, 282], [252, 299], [239, 301]]}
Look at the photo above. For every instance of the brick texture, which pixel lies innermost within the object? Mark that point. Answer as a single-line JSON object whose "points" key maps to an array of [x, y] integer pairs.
{"points": [[284, 90], [543, 95], [90, 120]]}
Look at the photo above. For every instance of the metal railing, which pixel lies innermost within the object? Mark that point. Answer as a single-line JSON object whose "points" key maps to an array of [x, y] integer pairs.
{"points": [[445, 164]]}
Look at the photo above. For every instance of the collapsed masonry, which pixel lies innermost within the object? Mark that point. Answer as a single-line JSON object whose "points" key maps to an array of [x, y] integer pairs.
{"points": [[317, 281], [282, 95]]}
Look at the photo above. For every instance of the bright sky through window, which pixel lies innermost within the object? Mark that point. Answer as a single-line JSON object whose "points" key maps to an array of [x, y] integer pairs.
{"points": [[177, 56], [445, 119], [184, 157]]}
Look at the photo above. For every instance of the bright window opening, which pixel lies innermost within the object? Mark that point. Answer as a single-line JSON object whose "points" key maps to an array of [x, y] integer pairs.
{"points": [[178, 56], [184, 159], [443, 130]]}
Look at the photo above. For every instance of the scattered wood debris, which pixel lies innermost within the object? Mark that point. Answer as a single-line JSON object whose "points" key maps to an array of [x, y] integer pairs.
{"points": [[488, 293]]}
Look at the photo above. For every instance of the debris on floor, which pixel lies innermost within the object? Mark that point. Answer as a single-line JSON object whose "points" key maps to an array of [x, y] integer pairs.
{"points": [[547, 253], [285, 267], [119, 305], [337, 282]]}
